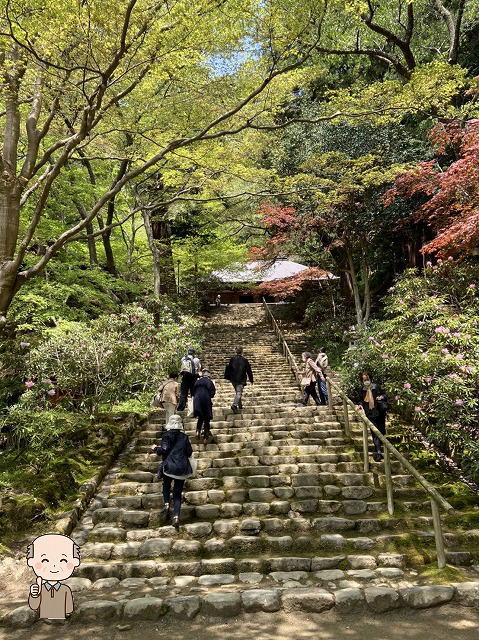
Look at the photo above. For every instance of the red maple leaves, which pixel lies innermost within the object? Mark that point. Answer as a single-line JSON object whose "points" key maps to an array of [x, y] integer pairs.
{"points": [[279, 221], [290, 287], [452, 207]]}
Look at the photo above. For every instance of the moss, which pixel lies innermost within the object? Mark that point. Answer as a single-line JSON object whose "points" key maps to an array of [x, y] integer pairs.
{"points": [[432, 573]]}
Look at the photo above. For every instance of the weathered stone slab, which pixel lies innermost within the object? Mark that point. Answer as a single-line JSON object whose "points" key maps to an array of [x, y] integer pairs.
{"points": [[261, 600]]}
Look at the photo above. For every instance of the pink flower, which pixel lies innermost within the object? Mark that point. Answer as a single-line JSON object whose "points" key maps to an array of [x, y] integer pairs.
{"points": [[428, 263], [446, 330], [417, 409], [472, 286], [439, 261], [439, 329], [407, 385], [460, 356], [385, 356], [428, 379], [397, 397], [444, 351], [450, 258], [456, 335], [459, 402], [454, 376], [29, 384], [134, 344], [24, 344], [51, 392], [145, 355]]}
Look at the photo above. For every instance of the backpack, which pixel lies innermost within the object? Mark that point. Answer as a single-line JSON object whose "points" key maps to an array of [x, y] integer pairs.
{"points": [[187, 365]]}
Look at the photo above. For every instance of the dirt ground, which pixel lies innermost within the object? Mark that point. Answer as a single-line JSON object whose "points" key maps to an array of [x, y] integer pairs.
{"points": [[443, 623]]}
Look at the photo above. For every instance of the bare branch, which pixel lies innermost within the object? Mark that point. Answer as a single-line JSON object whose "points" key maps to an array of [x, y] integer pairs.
{"points": [[453, 27], [373, 53]]}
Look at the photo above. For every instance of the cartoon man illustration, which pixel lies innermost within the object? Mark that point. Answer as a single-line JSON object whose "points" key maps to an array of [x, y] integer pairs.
{"points": [[53, 557]]}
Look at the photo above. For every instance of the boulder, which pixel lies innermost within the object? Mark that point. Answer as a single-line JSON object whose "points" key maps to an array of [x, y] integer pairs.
{"points": [[261, 600], [222, 604], [144, 609], [381, 599], [307, 599], [183, 606], [428, 596]]}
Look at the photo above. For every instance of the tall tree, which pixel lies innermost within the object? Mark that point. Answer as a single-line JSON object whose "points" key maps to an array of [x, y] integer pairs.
{"points": [[75, 77]]}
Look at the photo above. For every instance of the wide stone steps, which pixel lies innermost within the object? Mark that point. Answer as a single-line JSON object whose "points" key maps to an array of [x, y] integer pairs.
{"points": [[281, 503]]}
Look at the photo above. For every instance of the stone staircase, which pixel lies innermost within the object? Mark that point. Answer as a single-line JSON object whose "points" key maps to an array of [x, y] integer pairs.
{"points": [[281, 514]]}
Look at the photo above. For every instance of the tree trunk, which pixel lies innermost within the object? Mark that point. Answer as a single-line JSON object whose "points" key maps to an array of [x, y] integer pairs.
{"points": [[355, 287], [367, 288], [90, 237], [110, 211], [162, 234], [155, 254]]}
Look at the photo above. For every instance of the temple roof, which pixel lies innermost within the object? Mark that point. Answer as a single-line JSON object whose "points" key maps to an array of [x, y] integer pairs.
{"points": [[265, 271]]}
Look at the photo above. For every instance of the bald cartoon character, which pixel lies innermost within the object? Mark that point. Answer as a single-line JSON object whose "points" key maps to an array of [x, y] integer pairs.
{"points": [[53, 558]]}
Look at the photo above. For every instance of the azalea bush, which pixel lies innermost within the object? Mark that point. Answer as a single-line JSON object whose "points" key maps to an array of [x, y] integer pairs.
{"points": [[118, 356], [426, 353]]}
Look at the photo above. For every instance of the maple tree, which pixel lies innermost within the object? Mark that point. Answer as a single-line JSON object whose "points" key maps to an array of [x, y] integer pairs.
{"points": [[451, 191]]}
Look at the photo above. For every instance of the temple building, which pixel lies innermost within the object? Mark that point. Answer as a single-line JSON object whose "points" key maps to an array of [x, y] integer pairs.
{"points": [[279, 279]]}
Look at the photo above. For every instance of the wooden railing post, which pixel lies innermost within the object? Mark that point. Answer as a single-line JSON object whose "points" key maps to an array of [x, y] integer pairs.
{"points": [[347, 424], [330, 394], [365, 448], [389, 481], [436, 519]]}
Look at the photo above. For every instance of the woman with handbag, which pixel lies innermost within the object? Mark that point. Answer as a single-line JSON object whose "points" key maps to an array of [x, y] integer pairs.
{"points": [[176, 466], [310, 374], [167, 396], [372, 399]]}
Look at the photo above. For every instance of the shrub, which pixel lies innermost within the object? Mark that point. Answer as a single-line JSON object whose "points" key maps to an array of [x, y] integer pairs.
{"points": [[426, 352], [112, 358]]}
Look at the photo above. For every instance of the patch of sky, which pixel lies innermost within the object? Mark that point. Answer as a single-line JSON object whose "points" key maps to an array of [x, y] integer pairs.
{"points": [[224, 65]]}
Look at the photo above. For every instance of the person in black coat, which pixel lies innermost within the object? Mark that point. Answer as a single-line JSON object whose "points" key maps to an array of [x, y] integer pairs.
{"points": [[373, 400], [204, 391], [175, 450], [237, 369]]}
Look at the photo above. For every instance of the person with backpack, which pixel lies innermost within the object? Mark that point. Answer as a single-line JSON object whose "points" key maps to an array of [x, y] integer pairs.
{"points": [[237, 369], [310, 374], [372, 399], [167, 396], [176, 466], [189, 370], [204, 391], [323, 363]]}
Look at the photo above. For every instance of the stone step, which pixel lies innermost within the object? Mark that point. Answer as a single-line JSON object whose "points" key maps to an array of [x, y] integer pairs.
{"points": [[163, 557], [133, 600]]}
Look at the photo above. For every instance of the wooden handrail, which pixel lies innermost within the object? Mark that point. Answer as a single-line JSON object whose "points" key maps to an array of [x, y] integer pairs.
{"points": [[390, 450]]}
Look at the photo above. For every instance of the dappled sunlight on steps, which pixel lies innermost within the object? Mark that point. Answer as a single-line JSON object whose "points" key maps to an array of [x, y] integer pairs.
{"points": [[281, 514]]}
